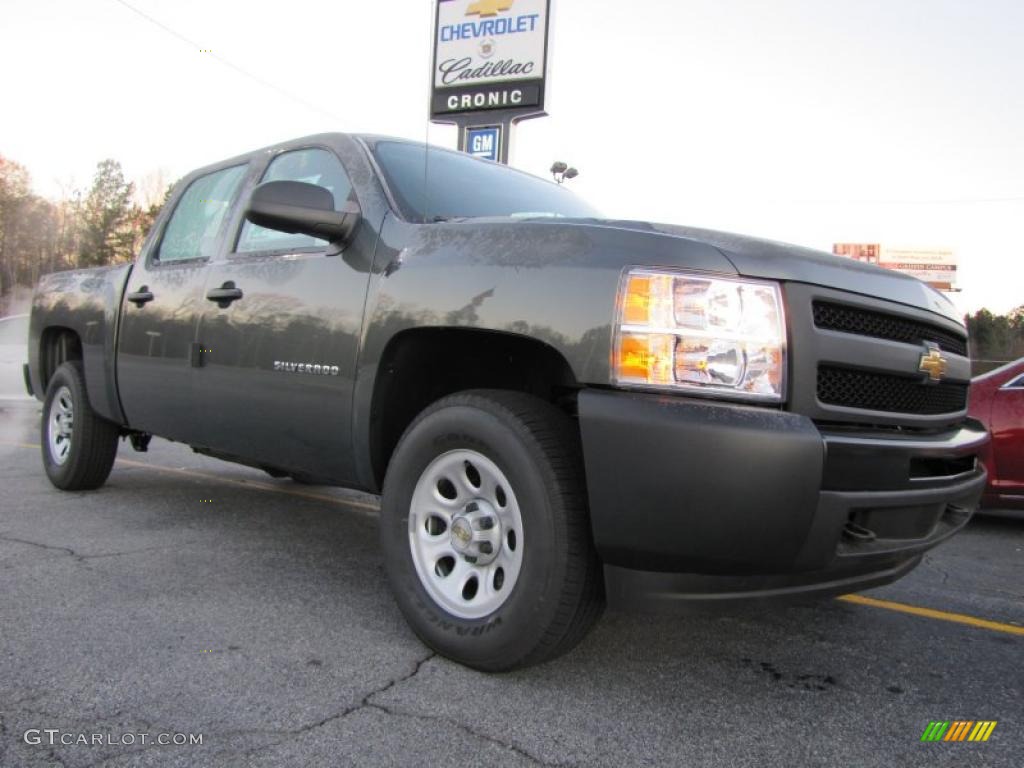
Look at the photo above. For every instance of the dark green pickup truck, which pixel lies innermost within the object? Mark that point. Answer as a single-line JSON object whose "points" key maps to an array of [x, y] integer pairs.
{"points": [[559, 410]]}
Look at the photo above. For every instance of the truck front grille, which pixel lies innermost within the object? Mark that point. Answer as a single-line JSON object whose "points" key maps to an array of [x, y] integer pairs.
{"points": [[869, 391], [839, 317]]}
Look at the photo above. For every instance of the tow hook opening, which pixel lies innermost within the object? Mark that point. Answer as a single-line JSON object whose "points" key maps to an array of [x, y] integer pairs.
{"points": [[858, 532]]}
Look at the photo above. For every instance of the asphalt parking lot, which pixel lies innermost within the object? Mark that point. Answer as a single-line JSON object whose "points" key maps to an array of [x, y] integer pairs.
{"points": [[192, 596]]}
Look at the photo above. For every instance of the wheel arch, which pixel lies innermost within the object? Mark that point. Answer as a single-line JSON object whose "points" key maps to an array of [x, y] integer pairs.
{"points": [[422, 365], [57, 344]]}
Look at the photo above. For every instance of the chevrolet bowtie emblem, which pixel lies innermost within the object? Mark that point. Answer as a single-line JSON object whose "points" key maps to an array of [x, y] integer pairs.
{"points": [[489, 7], [933, 363]]}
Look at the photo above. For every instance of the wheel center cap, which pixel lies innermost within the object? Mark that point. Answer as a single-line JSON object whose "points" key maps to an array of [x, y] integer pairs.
{"points": [[475, 532], [462, 533]]}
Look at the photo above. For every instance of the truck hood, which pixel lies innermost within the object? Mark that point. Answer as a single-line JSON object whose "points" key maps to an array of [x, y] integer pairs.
{"points": [[769, 259]]}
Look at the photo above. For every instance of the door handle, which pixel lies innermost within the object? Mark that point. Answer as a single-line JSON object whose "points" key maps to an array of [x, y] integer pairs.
{"points": [[225, 294], [141, 296]]}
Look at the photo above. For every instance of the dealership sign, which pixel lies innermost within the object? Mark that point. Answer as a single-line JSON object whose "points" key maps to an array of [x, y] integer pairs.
{"points": [[489, 56], [935, 266]]}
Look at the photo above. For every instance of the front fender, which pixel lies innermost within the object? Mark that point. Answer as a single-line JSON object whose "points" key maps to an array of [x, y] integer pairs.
{"points": [[556, 282]]}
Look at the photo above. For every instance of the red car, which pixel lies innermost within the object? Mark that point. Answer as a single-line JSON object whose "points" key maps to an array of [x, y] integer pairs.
{"points": [[997, 400]]}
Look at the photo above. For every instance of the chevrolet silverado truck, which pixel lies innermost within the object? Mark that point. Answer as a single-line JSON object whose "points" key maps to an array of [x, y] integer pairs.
{"points": [[558, 410]]}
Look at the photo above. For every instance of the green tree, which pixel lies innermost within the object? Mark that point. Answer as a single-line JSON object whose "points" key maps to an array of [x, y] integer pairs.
{"points": [[14, 194], [995, 339], [108, 230], [144, 217]]}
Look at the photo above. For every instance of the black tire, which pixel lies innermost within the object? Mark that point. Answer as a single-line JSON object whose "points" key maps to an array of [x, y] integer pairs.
{"points": [[92, 446], [559, 593]]}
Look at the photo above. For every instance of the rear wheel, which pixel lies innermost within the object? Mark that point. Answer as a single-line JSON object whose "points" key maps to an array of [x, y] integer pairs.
{"points": [[78, 445], [485, 531]]}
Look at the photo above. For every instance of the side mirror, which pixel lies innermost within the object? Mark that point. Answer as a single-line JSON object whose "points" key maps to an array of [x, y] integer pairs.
{"points": [[300, 208]]}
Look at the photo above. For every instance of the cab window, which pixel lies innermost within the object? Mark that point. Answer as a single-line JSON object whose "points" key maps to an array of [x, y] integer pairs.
{"points": [[195, 225], [313, 166], [432, 184]]}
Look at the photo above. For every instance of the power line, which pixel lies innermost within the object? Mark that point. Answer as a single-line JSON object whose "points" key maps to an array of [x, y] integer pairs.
{"points": [[933, 201], [229, 64], [947, 201]]}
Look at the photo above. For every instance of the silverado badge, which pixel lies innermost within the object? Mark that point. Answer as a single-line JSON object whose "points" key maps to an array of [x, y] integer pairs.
{"points": [[314, 368]]}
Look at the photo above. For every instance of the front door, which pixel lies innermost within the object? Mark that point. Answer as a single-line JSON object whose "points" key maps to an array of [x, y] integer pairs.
{"points": [[1007, 429], [279, 344], [161, 309]]}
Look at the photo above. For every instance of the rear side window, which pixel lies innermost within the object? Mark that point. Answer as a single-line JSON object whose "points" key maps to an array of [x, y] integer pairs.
{"points": [[313, 166], [196, 222]]}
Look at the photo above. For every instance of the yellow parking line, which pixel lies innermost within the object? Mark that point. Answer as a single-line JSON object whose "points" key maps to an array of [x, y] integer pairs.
{"points": [[932, 613], [21, 445], [251, 484]]}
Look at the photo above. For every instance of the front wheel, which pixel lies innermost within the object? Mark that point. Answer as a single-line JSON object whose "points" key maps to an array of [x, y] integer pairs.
{"points": [[485, 531], [78, 445]]}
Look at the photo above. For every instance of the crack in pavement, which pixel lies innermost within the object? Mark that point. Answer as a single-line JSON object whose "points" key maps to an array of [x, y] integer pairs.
{"points": [[365, 703], [472, 732], [368, 703], [66, 550], [929, 561], [80, 557]]}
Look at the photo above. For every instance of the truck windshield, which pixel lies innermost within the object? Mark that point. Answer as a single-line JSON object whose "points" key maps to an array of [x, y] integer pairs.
{"points": [[460, 186]]}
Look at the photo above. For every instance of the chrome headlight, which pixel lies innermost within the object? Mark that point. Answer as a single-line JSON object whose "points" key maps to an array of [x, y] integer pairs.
{"points": [[712, 335]]}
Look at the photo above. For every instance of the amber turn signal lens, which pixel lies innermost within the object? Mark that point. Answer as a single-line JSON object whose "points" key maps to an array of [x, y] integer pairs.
{"points": [[648, 300], [646, 358], [638, 300]]}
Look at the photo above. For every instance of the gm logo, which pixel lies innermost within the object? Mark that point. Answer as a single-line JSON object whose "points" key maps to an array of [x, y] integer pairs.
{"points": [[484, 142]]}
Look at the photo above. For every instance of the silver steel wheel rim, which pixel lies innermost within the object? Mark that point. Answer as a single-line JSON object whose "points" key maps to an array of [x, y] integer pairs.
{"points": [[62, 421], [468, 565]]}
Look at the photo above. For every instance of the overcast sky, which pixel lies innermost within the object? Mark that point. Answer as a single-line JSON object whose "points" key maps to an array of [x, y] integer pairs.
{"points": [[812, 121]]}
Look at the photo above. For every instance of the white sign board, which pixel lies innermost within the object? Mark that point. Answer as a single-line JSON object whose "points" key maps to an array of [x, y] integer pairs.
{"points": [[490, 55], [935, 266]]}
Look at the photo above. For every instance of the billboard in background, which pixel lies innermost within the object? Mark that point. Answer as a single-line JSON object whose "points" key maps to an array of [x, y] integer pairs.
{"points": [[858, 251], [935, 266], [489, 55]]}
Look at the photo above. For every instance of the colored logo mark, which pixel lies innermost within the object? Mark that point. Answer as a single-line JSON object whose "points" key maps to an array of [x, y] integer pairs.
{"points": [[959, 730], [934, 364], [489, 7], [484, 142]]}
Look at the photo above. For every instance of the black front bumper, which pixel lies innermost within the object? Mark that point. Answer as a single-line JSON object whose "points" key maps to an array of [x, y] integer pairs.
{"points": [[692, 499]]}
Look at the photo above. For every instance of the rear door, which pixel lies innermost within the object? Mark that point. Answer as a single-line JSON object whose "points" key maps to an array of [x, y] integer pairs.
{"points": [[278, 360], [161, 307]]}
